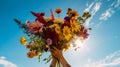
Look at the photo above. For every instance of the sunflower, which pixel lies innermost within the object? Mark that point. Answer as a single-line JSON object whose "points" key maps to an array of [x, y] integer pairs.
{"points": [[61, 37], [57, 29], [23, 40], [74, 26], [67, 33]]}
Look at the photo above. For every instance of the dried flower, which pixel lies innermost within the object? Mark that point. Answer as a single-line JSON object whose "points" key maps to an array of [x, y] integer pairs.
{"points": [[67, 33], [23, 40], [74, 13], [28, 46], [31, 54], [49, 41], [74, 26], [58, 10], [69, 10], [47, 32], [67, 18], [66, 47], [42, 14], [86, 14]]}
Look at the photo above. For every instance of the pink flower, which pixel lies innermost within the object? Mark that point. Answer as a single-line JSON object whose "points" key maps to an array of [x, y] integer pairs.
{"points": [[39, 24], [52, 14], [49, 41], [35, 27]]}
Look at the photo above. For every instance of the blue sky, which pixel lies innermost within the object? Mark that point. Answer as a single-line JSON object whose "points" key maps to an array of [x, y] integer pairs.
{"points": [[101, 49]]}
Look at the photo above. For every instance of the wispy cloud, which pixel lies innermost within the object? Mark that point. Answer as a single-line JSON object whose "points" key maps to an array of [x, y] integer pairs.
{"points": [[109, 61], [93, 9], [116, 4], [6, 63], [89, 7], [110, 11]]}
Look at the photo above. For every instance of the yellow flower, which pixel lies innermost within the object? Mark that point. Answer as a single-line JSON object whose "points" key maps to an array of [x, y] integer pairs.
{"points": [[58, 20], [67, 33], [38, 53], [23, 40], [61, 36], [74, 26], [57, 29], [66, 46], [47, 19]]}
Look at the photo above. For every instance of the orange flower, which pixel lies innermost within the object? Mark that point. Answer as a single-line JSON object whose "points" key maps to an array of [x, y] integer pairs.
{"points": [[31, 54], [69, 10], [74, 13], [28, 46], [58, 10]]}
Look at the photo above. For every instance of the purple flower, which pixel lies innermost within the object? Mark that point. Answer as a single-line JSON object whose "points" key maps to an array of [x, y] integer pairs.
{"points": [[67, 18], [49, 41]]}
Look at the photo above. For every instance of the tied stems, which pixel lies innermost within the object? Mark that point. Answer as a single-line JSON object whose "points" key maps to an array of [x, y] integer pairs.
{"points": [[58, 15], [58, 64]]}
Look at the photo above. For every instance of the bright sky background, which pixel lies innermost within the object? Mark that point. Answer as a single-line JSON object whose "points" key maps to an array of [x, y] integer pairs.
{"points": [[101, 49]]}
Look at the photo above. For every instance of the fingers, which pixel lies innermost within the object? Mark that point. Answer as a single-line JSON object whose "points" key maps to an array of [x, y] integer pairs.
{"points": [[56, 53], [53, 48], [53, 64]]}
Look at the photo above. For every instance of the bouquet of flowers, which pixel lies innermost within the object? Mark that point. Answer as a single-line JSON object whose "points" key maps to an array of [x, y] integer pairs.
{"points": [[53, 34]]}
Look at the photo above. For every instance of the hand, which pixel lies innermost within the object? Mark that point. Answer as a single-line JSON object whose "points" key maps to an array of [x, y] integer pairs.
{"points": [[57, 54], [53, 63]]}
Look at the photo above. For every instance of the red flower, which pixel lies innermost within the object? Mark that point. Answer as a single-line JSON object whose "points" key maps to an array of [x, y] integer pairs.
{"points": [[40, 17], [42, 14], [83, 32], [51, 34], [52, 15], [66, 23]]}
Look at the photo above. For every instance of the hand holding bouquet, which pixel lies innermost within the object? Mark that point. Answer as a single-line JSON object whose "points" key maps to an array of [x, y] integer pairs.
{"points": [[53, 34]]}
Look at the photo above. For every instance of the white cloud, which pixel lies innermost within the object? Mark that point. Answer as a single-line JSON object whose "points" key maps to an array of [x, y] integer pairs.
{"points": [[108, 13], [110, 61], [89, 7], [116, 4], [2, 57], [6, 63], [93, 9]]}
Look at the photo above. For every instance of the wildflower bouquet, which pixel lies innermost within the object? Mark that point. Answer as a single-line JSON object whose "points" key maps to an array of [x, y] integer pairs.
{"points": [[47, 32]]}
